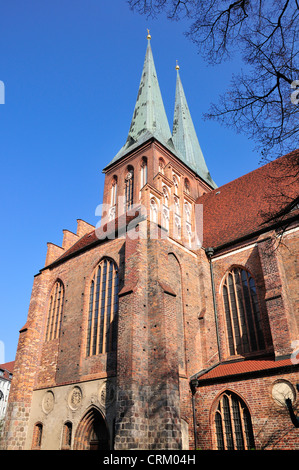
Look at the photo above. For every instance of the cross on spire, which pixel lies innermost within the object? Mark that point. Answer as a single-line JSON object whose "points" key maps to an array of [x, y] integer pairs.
{"points": [[184, 135], [150, 120], [149, 117]]}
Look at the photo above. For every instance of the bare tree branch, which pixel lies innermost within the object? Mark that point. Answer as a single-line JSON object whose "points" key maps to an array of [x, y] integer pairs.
{"points": [[266, 33]]}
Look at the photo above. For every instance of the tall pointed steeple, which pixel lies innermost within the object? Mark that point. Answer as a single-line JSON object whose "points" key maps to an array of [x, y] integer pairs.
{"points": [[149, 117], [184, 135]]}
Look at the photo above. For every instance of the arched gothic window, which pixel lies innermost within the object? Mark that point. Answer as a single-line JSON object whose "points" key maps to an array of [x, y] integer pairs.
{"points": [[165, 209], [187, 186], [114, 191], [103, 309], [161, 165], [37, 436], [176, 205], [188, 226], [55, 311], [177, 217], [153, 210], [177, 226], [242, 313], [233, 425], [67, 436], [112, 211], [165, 196], [176, 184], [143, 172], [129, 190]]}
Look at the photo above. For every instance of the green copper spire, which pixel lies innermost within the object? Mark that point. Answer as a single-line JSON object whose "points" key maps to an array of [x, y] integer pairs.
{"points": [[149, 117], [184, 136]]}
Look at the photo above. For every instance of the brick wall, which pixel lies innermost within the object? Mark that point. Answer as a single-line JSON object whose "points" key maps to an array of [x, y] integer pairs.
{"points": [[166, 326], [271, 423]]}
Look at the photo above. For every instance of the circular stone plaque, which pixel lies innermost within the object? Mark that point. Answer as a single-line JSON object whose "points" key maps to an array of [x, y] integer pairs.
{"points": [[48, 402], [75, 398], [281, 391]]}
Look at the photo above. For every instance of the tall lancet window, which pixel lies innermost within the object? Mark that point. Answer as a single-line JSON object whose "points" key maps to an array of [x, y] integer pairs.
{"points": [[112, 211], [103, 309], [233, 424], [55, 311], [161, 165], [177, 217], [37, 436], [187, 186], [242, 313], [67, 436], [176, 184], [143, 172], [153, 210], [129, 189], [165, 209], [188, 226], [165, 196]]}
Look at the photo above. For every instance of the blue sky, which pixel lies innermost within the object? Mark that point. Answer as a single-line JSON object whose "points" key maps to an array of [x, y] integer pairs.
{"points": [[71, 70]]}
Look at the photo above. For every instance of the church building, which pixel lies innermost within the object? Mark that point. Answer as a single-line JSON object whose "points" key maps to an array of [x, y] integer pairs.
{"points": [[174, 324]]}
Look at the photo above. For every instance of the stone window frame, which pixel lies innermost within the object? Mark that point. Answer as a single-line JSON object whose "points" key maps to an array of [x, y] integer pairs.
{"points": [[66, 441], [242, 313], [55, 311], [232, 423], [154, 209], [143, 172], [162, 165], [102, 308], [129, 187], [37, 436], [187, 186]]}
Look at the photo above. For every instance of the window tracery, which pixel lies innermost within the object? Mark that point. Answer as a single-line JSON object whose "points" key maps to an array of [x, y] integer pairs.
{"points": [[55, 311], [143, 173], [103, 309], [129, 188], [233, 424], [242, 313]]}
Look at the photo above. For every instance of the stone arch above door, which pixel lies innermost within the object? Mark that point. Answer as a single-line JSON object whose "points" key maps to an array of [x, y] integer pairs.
{"points": [[92, 432]]}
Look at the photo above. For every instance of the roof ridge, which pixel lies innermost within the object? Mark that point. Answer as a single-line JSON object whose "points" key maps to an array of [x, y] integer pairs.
{"points": [[294, 152]]}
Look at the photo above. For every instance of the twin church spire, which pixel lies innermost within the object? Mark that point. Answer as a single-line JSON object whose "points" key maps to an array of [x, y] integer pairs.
{"points": [[150, 120], [184, 136]]}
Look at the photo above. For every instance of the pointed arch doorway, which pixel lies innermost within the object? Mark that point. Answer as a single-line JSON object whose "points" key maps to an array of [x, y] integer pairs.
{"points": [[92, 432]]}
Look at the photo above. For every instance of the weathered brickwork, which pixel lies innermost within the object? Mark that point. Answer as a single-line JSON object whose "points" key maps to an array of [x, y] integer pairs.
{"points": [[274, 271], [171, 329], [173, 320], [272, 427], [250, 260]]}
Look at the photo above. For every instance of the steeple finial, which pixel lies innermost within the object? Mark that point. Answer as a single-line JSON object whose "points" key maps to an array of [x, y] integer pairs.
{"points": [[149, 117], [177, 67], [184, 135], [148, 35]]}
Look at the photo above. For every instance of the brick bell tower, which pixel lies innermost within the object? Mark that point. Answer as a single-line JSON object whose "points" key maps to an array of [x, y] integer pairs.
{"points": [[157, 175]]}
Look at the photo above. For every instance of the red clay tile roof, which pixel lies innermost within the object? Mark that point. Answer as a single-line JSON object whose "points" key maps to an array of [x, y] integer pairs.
{"points": [[8, 368], [232, 211], [245, 205], [243, 367]]}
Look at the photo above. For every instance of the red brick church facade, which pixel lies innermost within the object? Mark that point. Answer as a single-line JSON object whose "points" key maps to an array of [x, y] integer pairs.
{"points": [[174, 324]]}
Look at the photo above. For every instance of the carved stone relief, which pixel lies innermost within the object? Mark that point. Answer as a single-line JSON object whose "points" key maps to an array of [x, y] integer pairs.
{"points": [[48, 402], [107, 393], [75, 398]]}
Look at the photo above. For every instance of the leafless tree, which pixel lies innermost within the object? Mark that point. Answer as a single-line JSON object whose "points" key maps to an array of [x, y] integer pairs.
{"points": [[262, 101]]}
